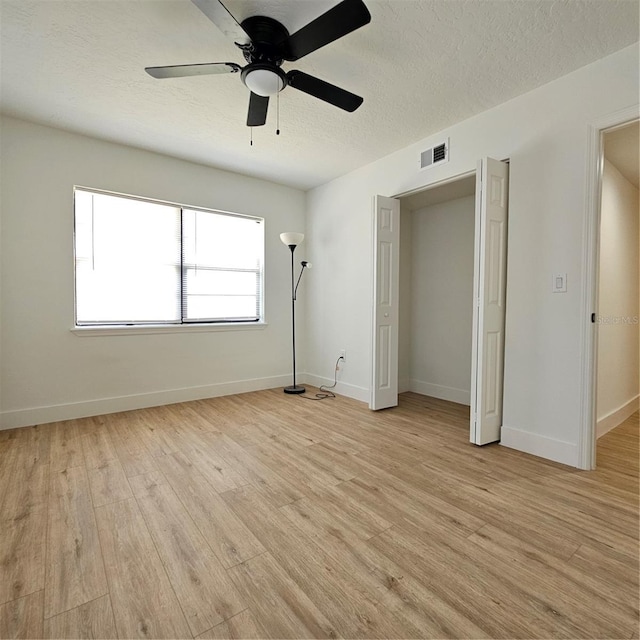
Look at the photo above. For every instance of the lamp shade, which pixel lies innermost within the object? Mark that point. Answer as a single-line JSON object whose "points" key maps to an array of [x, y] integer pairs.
{"points": [[264, 82], [292, 238]]}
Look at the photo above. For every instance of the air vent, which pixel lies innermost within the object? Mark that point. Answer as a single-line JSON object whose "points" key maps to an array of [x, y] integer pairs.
{"points": [[435, 155]]}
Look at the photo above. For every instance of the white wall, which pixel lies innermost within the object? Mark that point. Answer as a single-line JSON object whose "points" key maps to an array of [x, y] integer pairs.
{"points": [[49, 373], [439, 300], [544, 133], [618, 301]]}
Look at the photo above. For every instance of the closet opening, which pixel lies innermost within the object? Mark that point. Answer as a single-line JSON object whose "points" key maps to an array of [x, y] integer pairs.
{"points": [[440, 264]]}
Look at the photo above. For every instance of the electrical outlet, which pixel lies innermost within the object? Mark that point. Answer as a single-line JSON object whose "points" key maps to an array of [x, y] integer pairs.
{"points": [[343, 355]]}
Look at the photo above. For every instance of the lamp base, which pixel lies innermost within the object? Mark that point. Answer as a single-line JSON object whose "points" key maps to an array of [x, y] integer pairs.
{"points": [[295, 389]]}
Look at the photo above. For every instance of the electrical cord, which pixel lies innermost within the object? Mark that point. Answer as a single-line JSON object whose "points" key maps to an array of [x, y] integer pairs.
{"points": [[324, 390]]}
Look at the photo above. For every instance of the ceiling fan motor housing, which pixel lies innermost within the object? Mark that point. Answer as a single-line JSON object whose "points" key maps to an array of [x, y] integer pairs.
{"points": [[264, 54], [268, 40]]}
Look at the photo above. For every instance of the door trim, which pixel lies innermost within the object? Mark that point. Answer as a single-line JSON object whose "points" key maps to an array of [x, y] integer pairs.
{"points": [[589, 293]]}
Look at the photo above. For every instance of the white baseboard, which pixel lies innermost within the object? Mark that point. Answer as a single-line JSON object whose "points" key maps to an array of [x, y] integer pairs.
{"points": [[55, 413], [461, 396], [343, 389], [404, 385], [613, 419], [541, 446]]}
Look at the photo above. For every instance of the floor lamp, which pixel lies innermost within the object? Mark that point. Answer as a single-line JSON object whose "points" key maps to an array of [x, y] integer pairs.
{"points": [[292, 240]]}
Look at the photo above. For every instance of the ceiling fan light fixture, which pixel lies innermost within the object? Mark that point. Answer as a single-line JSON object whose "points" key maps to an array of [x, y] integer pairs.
{"points": [[264, 81]]}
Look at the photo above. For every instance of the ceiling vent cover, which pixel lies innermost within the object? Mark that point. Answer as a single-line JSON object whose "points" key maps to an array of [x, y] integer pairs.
{"points": [[437, 154]]}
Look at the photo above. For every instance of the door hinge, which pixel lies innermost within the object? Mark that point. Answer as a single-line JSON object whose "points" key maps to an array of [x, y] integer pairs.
{"points": [[593, 318]]}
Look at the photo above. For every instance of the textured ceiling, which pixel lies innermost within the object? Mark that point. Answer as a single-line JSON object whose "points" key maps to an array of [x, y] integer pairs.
{"points": [[421, 66], [622, 149]]}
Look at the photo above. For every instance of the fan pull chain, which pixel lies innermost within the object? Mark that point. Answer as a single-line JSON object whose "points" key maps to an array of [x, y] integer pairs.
{"points": [[278, 113], [251, 143]]}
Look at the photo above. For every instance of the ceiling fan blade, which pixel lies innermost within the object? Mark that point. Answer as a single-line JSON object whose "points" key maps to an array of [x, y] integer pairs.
{"points": [[345, 17], [323, 90], [222, 18], [182, 70], [257, 115]]}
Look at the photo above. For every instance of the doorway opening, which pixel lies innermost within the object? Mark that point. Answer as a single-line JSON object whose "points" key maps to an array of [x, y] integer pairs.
{"points": [[440, 295], [617, 357], [436, 291]]}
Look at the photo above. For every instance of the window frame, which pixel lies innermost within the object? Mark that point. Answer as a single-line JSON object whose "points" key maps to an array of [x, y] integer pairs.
{"points": [[183, 325]]}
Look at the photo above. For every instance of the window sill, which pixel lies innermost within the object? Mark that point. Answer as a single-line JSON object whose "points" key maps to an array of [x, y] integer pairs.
{"points": [[109, 330]]}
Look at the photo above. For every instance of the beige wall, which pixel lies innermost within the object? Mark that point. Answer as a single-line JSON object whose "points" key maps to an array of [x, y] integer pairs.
{"points": [[619, 306]]}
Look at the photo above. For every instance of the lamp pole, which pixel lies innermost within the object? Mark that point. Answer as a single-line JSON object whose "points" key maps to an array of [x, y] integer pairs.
{"points": [[293, 388], [292, 240]]}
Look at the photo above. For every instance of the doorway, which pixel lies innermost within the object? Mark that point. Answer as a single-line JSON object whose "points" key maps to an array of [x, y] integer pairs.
{"points": [[486, 206], [436, 291], [617, 383]]}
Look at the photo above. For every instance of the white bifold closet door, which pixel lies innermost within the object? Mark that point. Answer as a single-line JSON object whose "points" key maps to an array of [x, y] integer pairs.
{"points": [[489, 289], [386, 260]]}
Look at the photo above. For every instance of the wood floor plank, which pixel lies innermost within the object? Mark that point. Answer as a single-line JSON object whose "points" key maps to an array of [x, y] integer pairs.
{"points": [[200, 582], [288, 612], [22, 618], [91, 620], [155, 428], [486, 600], [316, 522], [401, 503], [28, 481], [98, 448], [273, 486], [66, 445], [75, 572], [8, 458], [124, 432], [136, 463], [600, 562], [22, 553], [517, 518], [220, 474], [226, 534], [38, 441], [299, 472], [346, 602], [402, 595], [144, 603], [23, 514], [108, 483], [362, 520], [196, 416], [241, 626], [605, 611], [585, 519]]}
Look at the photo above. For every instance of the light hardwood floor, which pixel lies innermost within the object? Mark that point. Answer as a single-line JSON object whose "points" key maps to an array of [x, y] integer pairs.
{"points": [[270, 516]]}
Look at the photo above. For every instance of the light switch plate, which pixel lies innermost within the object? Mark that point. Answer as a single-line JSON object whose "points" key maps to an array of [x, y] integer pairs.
{"points": [[559, 284]]}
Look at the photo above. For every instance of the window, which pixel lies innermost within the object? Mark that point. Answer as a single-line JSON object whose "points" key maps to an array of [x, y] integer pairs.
{"points": [[144, 262]]}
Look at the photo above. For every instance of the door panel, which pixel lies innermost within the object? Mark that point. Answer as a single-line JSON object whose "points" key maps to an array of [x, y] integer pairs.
{"points": [[489, 301], [386, 256]]}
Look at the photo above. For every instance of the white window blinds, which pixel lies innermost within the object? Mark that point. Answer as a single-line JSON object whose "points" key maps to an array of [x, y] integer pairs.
{"points": [[141, 262], [222, 267]]}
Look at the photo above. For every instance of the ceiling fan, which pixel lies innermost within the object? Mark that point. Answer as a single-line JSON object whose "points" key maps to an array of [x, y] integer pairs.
{"points": [[266, 44]]}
